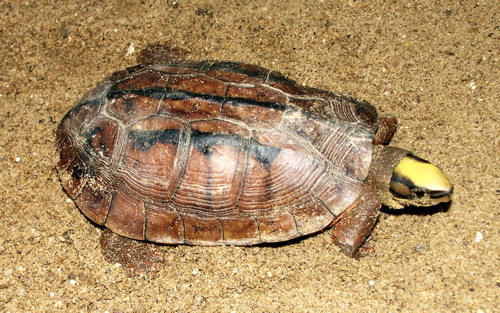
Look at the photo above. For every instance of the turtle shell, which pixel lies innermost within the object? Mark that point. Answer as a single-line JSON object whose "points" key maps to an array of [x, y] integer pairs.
{"points": [[213, 153]]}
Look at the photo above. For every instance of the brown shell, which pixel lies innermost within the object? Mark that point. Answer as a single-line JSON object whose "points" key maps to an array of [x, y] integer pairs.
{"points": [[213, 153]]}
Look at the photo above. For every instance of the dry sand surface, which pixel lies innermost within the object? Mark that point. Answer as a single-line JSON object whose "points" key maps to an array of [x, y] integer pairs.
{"points": [[436, 67]]}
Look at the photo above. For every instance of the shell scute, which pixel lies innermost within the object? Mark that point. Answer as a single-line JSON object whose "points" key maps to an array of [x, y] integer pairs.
{"points": [[126, 215], [95, 199], [151, 162], [164, 224], [198, 84], [203, 230]]}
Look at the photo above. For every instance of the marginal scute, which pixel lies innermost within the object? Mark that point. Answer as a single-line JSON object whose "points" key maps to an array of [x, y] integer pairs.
{"points": [[101, 137], [237, 73], [164, 224], [180, 68], [131, 107], [145, 80], [241, 230], [311, 215], [283, 83], [95, 199], [203, 230], [277, 228], [67, 150], [126, 215], [75, 177]]}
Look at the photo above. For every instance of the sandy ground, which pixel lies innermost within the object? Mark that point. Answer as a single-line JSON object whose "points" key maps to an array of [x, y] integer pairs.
{"points": [[436, 67]]}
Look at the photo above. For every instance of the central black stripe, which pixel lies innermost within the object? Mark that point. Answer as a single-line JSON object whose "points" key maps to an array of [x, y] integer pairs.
{"points": [[204, 142], [144, 140], [264, 154], [167, 93]]}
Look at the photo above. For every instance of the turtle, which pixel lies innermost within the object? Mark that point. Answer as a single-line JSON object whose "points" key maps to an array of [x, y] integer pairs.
{"points": [[178, 151]]}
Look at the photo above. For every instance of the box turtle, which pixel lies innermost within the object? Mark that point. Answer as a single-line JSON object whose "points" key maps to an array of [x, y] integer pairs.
{"points": [[211, 153]]}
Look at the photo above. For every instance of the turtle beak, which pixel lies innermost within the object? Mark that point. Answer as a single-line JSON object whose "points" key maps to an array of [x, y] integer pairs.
{"points": [[415, 181]]}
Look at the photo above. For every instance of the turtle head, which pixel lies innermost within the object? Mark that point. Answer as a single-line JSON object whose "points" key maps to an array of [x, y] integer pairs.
{"points": [[404, 179], [416, 181]]}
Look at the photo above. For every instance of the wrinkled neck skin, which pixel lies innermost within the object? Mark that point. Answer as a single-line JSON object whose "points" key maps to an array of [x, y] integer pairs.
{"points": [[385, 159]]}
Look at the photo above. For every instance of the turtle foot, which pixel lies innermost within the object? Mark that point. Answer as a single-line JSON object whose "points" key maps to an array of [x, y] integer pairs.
{"points": [[160, 53], [387, 126], [356, 223], [138, 257]]}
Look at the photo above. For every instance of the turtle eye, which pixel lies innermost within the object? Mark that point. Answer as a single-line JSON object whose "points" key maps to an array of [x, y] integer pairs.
{"points": [[400, 189]]}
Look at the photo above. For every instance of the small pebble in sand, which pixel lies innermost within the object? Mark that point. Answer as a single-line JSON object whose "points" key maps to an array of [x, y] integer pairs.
{"points": [[72, 282], [479, 236], [130, 50], [18, 159]]}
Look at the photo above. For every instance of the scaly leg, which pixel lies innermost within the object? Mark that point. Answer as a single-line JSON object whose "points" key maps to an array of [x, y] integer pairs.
{"points": [[357, 222]]}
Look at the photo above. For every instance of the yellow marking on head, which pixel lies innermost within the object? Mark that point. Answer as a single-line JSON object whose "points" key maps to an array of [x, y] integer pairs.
{"points": [[423, 174]]}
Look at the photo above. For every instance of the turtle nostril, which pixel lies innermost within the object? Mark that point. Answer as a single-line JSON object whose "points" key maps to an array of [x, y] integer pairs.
{"points": [[420, 193]]}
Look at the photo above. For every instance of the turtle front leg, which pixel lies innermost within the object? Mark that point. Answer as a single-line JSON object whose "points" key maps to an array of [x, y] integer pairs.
{"points": [[356, 223], [387, 125]]}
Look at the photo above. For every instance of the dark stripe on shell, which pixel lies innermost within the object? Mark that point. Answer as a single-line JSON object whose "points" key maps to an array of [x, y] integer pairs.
{"points": [[144, 140], [264, 154], [236, 67], [203, 142], [166, 93]]}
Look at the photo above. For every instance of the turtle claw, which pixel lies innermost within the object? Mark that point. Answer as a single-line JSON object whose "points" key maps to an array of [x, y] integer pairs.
{"points": [[136, 256]]}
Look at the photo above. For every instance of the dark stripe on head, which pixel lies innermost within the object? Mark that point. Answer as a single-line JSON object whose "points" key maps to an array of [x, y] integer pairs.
{"points": [[398, 179], [412, 156]]}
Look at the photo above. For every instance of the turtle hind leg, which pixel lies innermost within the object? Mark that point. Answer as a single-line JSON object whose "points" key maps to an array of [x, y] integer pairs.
{"points": [[160, 53], [357, 222], [387, 125], [137, 256]]}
